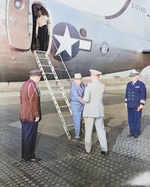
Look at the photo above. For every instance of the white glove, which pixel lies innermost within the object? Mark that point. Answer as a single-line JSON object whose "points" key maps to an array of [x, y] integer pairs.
{"points": [[37, 119]]}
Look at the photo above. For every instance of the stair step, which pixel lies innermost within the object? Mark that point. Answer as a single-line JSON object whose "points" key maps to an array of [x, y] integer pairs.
{"points": [[59, 97], [60, 69], [47, 73], [65, 106], [70, 125], [38, 51], [67, 115], [42, 58]]}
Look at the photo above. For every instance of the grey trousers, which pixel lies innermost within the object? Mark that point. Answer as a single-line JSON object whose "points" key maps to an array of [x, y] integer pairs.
{"points": [[99, 124]]}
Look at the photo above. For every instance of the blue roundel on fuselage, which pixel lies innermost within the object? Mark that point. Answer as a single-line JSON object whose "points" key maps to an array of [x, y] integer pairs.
{"points": [[66, 41]]}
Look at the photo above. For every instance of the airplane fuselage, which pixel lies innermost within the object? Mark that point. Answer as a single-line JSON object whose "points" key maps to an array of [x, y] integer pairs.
{"points": [[83, 41]]}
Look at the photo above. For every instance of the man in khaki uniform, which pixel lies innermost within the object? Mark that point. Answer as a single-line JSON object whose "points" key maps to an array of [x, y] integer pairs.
{"points": [[94, 111]]}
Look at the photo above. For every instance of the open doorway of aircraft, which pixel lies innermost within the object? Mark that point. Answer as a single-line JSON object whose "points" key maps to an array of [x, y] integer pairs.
{"points": [[82, 40]]}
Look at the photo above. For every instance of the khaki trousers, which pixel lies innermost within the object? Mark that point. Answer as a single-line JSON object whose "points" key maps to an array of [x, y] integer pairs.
{"points": [[99, 124]]}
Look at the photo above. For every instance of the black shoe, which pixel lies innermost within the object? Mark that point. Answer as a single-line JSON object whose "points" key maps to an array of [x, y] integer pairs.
{"points": [[35, 159], [78, 139], [23, 160], [88, 152], [135, 136], [105, 153], [129, 136]]}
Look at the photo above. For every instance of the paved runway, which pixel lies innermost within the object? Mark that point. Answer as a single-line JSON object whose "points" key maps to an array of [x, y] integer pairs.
{"points": [[65, 163]]}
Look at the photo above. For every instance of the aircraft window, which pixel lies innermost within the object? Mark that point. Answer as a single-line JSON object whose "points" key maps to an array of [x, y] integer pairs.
{"points": [[83, 32], [19, 4]]}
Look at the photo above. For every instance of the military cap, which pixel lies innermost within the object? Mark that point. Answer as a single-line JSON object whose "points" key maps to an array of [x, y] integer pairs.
{"points": [[77, 76], [133, 73], [36, 72], [95, 72]]}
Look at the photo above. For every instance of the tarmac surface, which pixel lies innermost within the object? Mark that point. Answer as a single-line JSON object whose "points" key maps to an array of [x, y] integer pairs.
{"points": [[65, 163]]}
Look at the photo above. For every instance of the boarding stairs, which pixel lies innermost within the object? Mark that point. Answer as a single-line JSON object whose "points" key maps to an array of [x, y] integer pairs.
{"points": [[51, 72]]}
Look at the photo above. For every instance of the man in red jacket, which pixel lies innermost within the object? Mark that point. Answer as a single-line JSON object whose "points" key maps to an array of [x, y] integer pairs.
{"points": [[30, 115]]}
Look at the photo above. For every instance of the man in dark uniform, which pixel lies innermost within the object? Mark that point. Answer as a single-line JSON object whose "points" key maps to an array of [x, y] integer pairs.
{"points": [[135, 98], [30, 115]]}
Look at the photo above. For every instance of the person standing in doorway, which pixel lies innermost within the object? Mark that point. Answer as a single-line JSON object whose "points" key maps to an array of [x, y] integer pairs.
{"points": [[30, 115], [94, 112], [135, 98], [77, 103], [41, 29]]}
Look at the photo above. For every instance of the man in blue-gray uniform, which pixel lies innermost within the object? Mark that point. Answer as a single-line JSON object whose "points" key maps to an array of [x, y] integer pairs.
{"points": [[135, 98], [77, 103]]}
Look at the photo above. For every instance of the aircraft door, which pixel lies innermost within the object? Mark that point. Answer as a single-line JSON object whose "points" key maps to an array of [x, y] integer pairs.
{"points": [[148, 21], [17, 24]]}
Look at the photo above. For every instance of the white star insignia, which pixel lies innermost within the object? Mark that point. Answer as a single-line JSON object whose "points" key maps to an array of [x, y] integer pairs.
{"points": [[66, 42]]}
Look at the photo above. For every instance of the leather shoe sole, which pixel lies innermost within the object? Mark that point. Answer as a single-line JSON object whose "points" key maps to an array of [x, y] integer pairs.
{"points": [[129, 136], [35, 159], [22, 160], [78, 139], [87, 152], [105, 153]]}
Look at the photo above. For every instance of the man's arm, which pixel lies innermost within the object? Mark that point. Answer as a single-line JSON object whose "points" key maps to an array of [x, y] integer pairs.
{"points": [[33, 99], [126, 96], [143, 97], [37, 27], [87, 94]]}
